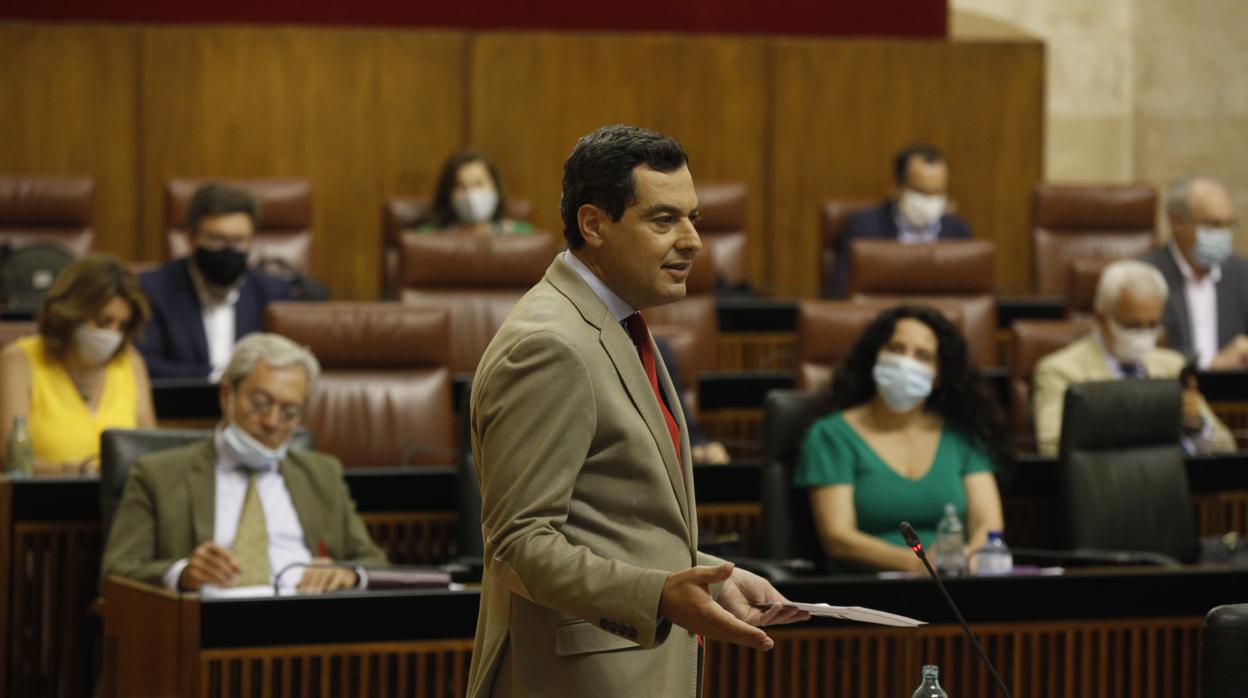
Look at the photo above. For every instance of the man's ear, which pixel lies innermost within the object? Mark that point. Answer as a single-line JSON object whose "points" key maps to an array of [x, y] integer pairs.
{"points": [[593, 222]]}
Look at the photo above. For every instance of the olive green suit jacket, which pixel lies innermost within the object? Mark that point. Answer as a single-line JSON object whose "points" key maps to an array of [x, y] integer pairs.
{"points": [[168, 508], [586, 508]]}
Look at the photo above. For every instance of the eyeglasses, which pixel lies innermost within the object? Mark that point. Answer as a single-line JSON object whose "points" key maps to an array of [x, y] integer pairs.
{"points": [[216, 242], [261, 405]]}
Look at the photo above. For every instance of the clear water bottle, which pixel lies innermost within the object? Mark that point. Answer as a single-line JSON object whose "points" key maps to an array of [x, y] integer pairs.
{"points": [[930, 688], [19, 457], [995, 559], [950, 544]]}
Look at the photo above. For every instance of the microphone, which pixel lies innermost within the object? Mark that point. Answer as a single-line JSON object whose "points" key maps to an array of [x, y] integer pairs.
{"points": [[912, 540]]}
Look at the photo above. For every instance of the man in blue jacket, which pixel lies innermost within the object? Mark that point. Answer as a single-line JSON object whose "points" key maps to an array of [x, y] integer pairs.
{"points": [[202, 304]]}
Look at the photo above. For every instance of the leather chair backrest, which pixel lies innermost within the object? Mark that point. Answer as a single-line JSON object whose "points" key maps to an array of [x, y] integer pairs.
{"points": [[1085, 274], [283, 233], [1223, 648], [1074, 221], [826, 331], [42, 210], [10, 331], [832, 216], [477, 279], [1030, 341], [724, 231], [120, 449], [691, 328], [404, 214], [788, 527], [384, 398], [956, 273], [1122, 481]]}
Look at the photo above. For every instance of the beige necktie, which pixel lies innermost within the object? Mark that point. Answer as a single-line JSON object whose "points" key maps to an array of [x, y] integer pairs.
{"points": [[251, 542]]}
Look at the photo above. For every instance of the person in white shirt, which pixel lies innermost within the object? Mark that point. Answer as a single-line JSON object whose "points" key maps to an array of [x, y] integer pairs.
{"points": [[1206, 316]]}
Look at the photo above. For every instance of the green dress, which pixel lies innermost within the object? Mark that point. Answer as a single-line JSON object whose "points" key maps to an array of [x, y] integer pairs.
{"points": [[834, 454]]}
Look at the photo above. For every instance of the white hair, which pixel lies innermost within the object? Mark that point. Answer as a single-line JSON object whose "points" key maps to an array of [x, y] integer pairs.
{"points": [[1128, 274], [276, 351], [1179, 195]]}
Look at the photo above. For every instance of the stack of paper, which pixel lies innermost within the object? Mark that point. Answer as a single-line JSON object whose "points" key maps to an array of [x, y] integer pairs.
{"points": [[856, 613]]}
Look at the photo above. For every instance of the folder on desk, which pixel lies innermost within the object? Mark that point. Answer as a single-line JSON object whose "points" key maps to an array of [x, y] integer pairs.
{"points": [[855, 613], [408, 578]]}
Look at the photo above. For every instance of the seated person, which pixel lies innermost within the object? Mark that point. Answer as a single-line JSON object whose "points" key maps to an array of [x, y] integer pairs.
{"points": [[80, 374], [1129, 300], [242, 506], [916, 213], [1206, 315], [470, 198], [911, 428], [202, 304]]}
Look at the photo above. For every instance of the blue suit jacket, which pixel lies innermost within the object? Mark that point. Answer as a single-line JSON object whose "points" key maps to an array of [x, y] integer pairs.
{"points": [[174, 344], [880, 223]]}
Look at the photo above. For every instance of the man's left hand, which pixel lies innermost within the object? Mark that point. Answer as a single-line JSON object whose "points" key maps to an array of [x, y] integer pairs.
{"points": [[318, 580], [744, 589]]}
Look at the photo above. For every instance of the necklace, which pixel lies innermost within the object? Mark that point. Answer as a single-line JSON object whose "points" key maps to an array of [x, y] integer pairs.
{"points": [[87, 386]]}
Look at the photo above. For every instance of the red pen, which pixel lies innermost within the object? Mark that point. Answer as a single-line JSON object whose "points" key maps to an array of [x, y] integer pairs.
{"points": [[322, 549]]}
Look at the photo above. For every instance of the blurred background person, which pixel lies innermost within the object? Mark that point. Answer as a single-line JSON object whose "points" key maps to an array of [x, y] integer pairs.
{"points": [[911, 427], [80, 374], [470, 198]]}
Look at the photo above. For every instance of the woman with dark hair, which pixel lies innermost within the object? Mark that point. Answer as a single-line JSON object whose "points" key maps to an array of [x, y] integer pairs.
{"points": [[911, 427], [470, 198], [80, 374]]}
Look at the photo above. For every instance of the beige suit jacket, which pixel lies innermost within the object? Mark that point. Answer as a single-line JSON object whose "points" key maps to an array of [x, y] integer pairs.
{"points": [[1083, 361], [585, 507]]}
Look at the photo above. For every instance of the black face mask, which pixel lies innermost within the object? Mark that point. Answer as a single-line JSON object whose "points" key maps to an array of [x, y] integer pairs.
{"points": [[221, 267]]}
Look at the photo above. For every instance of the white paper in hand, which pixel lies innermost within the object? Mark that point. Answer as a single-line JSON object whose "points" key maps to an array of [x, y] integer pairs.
{"points": [[856, 613]]}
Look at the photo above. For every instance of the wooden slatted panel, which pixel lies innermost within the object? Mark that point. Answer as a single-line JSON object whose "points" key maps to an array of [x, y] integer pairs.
{"points": [[1098, 659], [435, 669], [757, 351], [743, 519], [740, 430], [413, 537]]}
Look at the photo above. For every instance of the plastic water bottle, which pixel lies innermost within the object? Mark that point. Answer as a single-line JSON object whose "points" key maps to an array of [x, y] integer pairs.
{"points": [[19, 457], [930, 688], [950, 544], [995, 559]]}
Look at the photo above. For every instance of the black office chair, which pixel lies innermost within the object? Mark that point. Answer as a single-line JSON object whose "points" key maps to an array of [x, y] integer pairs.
{"points": [[1122, 481], [120, 448], [1223, 648], [788, 527]]}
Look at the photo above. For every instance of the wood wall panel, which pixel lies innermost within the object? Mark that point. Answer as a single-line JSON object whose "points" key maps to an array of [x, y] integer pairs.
{"points": [[362, 114], [68, 105], [843, 108], [533, 95]]}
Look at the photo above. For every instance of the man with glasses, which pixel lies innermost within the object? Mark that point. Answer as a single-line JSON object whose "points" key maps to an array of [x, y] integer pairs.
{"points": [[202, 304], [1206, 317], [243, 507]]}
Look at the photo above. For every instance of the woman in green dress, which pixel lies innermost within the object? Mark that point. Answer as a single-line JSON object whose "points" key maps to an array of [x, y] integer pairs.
{"points": [[910, 428], [470, 199]]}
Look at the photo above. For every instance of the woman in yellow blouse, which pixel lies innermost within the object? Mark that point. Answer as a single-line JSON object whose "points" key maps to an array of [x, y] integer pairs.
{"points": [[80, 374]]}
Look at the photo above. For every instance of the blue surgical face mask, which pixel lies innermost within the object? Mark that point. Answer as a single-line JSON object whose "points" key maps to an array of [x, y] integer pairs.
{"points": [[901, 381], [1213, 246], [247, 450]]}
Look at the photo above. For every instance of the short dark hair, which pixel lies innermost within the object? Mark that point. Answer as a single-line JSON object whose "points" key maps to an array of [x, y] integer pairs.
{"points": [[925, 151], [80, 292], [444, 215], [600, 172], [217, 200]]}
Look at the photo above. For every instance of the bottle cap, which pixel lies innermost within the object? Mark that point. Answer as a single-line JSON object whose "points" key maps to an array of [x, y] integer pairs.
{"points": [[995, 535]]}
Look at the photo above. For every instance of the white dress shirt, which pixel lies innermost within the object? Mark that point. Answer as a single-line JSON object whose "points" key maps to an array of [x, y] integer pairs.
{"points": [[218, 316], [620, 310], [1202, 308]]}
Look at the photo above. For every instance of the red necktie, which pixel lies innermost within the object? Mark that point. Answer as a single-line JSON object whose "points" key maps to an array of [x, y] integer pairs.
{"points": [[636, 327]]}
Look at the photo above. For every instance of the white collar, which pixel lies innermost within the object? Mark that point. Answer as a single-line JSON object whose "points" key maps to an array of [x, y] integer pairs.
{"points": [[618, 307], [1214, 275]]}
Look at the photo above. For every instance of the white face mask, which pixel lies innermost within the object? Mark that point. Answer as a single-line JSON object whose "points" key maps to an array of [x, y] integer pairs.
{"points": [[1131, 346], [921, 210], [1213, 246], [96, 345], [247, 450], [901, 381], [476, 205]]}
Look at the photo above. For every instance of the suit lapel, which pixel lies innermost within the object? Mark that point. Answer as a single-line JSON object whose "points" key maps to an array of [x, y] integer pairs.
{"points": [[1230, 319], [1176, 302], [201, 480], [304, 500], [686, 461], [186, 305]]}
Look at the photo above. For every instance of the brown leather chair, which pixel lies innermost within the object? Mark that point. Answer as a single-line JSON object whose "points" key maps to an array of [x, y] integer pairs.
{"points": [[1084, 275], [476, 278], [1032, 340], [1074, 221], [723, 230], [956, 273], [10, 331], [403, 214], [283, 233], [53, 210], [832, 216], [691, 328], [384, 398]]}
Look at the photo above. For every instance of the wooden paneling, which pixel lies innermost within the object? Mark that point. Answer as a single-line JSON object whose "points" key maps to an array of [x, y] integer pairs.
{"points": [[843, 108], [533, 95], [68, 105], [362, 114]]}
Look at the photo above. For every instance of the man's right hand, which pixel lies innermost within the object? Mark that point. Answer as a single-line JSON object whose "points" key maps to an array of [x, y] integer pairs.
{"points": [[209, 564], [1233, 357], [687, 602]]}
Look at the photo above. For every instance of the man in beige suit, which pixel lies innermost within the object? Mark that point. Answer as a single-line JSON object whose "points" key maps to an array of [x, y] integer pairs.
{"points": [[593, 583], [1130, 299]]}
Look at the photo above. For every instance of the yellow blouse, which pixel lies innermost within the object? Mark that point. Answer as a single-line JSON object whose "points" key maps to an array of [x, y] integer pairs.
{"points": [[62, 427]]}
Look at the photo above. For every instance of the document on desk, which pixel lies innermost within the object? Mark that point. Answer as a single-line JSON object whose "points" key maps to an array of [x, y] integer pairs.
{"points": [[210, 591], [856, 613]]}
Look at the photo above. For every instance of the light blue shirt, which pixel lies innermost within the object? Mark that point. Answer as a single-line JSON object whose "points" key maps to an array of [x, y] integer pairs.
{"points": [[618, 307]]}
